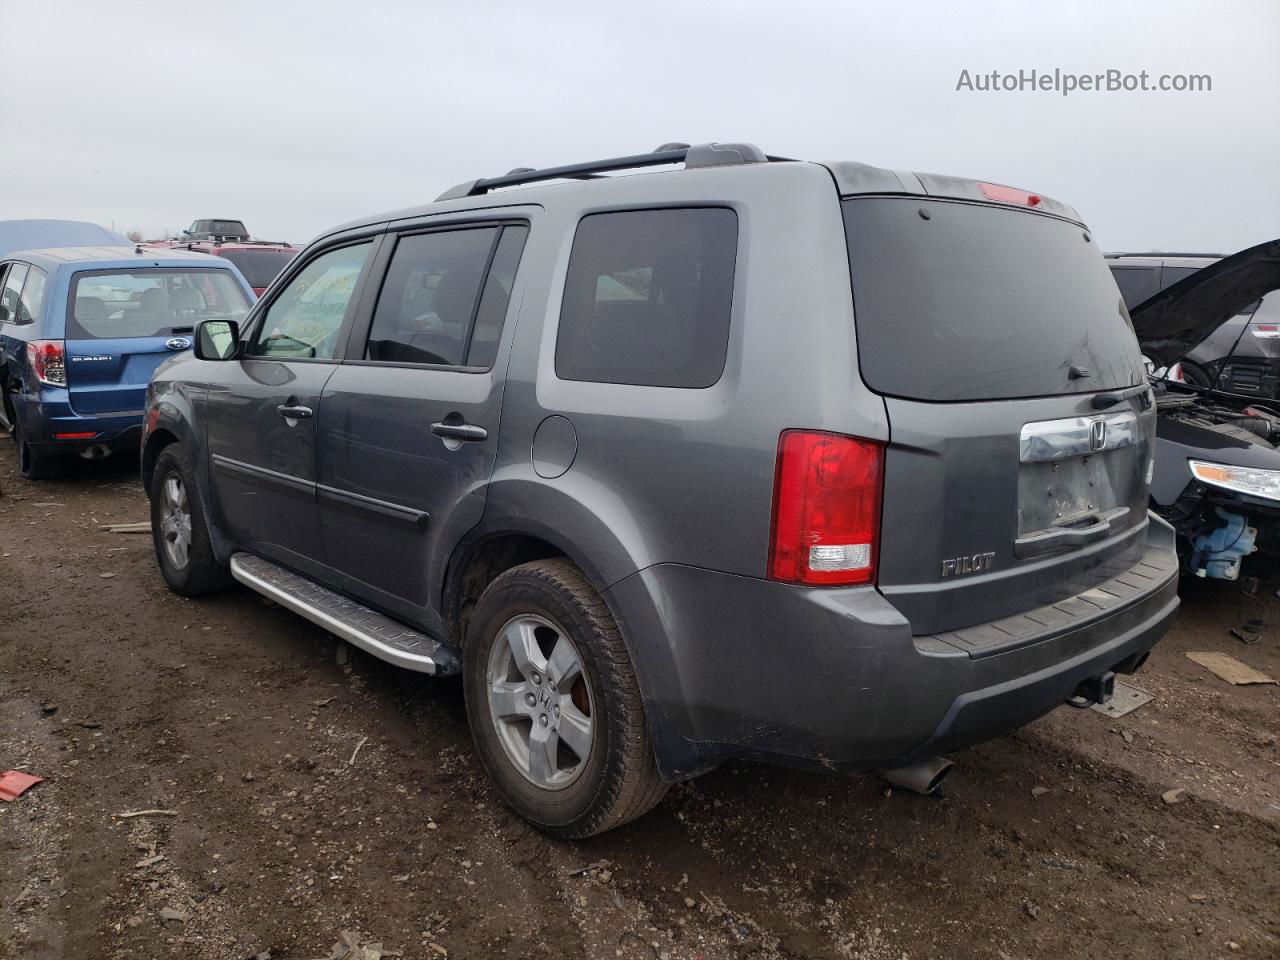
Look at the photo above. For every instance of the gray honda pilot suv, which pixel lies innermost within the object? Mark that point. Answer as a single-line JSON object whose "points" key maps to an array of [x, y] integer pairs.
{"points": [[820, 464]]}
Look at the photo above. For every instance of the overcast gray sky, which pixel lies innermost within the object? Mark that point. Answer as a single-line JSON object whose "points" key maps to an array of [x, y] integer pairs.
{"points": [[295, 116]]}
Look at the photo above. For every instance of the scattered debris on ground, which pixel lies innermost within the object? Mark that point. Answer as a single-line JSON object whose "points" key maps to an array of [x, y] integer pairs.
{"points": [[1228, 668], [14, 783], [144, 711]]}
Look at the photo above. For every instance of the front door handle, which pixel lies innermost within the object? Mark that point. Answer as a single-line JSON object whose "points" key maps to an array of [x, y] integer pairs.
{"points": [[294, 411], [459, 431]]}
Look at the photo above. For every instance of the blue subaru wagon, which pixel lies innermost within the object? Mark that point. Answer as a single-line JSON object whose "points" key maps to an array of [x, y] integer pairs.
{"points": [[81, 331]]}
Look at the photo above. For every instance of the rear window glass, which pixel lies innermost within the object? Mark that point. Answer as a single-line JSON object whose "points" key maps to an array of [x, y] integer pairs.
{"points": [[648, 296], [108, 305], [972, 302], [259, 267], [220, 228]]}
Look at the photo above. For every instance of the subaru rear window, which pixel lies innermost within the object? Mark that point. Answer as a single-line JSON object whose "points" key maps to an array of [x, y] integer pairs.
{"points": [[963, 301], [117, 304], [259, 267]]}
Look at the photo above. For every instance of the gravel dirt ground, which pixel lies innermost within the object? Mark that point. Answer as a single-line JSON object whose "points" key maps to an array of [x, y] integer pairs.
{"points": [[314, 790]]}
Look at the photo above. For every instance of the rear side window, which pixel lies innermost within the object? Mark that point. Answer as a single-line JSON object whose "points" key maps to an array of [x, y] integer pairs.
{"points": [[497, 295], [964, 301], [429, 297], [648, 296], [445, 297], [1137, 283], [32, 296]]}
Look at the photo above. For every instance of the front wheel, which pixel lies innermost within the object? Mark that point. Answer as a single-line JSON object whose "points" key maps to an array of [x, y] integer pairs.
{"points": [[180, 530], [553, 703]]}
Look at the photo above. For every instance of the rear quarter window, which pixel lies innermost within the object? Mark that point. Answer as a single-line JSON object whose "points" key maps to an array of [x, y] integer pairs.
{"points": [[648, 297]]}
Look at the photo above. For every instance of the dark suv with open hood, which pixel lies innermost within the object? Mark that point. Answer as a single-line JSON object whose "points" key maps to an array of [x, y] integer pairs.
{"points": [[1210, 327], [735, 457]]}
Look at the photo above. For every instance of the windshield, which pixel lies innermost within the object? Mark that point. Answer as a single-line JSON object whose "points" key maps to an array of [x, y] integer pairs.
{"points": [[963, 301], [150, 302], [259, 267], [220, 228]]}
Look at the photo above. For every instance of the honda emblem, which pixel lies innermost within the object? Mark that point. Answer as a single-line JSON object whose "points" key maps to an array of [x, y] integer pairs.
{"points": [[1097, 434]]}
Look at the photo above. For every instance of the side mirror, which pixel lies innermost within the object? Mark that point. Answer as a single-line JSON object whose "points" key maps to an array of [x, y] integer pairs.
{"points": [[186, 233], [217, 340]]}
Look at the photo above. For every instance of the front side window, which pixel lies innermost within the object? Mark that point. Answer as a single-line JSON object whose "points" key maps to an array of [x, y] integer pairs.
{"points": [[11, 294], [648, 296], [304, 320], [150, 301], [438, 305]]}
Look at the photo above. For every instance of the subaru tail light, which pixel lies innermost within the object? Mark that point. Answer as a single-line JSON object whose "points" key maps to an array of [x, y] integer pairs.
{"points": [[826, 508], [48, 360]]}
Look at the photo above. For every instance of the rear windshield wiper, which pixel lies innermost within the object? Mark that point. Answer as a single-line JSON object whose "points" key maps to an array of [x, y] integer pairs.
{"points": [[1101, 401]]}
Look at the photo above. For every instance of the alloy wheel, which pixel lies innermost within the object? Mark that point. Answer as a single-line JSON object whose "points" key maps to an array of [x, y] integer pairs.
{"points": [[540, 701], [175, 521]]}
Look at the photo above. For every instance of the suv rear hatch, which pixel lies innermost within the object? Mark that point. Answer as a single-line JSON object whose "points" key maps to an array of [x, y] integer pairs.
{"points": [[123, 323], [1019, 417]]}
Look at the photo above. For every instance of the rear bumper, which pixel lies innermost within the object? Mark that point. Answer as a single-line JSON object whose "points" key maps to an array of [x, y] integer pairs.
{"points": [[735, 667], [44, 422]]}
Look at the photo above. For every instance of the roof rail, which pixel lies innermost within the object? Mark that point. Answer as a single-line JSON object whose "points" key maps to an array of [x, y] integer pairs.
{"points": [[1161, 253], [701, 155]]}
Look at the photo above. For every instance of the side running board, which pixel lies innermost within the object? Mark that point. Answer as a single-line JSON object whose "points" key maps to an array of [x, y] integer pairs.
{"points": [[367, 629]]}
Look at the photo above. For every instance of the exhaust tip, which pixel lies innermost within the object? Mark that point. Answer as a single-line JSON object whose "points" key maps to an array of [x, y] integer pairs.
{"points": [[925, 777]]}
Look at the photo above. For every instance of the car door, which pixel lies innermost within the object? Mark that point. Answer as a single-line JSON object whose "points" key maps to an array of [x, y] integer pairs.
{"points": [[262, 410], [410, 426]]}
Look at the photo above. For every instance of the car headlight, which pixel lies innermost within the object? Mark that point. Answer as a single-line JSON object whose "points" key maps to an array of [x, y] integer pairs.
{"points": [[1250, 480]]}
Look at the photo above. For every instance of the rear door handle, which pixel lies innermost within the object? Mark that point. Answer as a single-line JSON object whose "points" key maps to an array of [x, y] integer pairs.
{"points": [[1056, 538], [459, 431], [294, 411]]}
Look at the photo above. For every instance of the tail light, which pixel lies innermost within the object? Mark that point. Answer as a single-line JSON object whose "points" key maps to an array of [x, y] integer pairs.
{"points": [[48, 360], [826, 508], [1266, 331], [1003, 194]]}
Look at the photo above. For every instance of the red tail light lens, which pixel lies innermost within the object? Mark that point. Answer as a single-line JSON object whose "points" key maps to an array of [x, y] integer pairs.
{"points": [[826, 508], [48, 360]]}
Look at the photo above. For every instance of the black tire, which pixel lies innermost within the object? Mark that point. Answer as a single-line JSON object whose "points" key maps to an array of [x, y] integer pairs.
{"points": [[1196, 375], [202, 573], [32, 464], [619, 781]]}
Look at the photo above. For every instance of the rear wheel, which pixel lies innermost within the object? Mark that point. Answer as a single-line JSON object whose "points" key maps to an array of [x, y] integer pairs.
{"points": [[31, 463], [553, 703], [179, 528]]}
